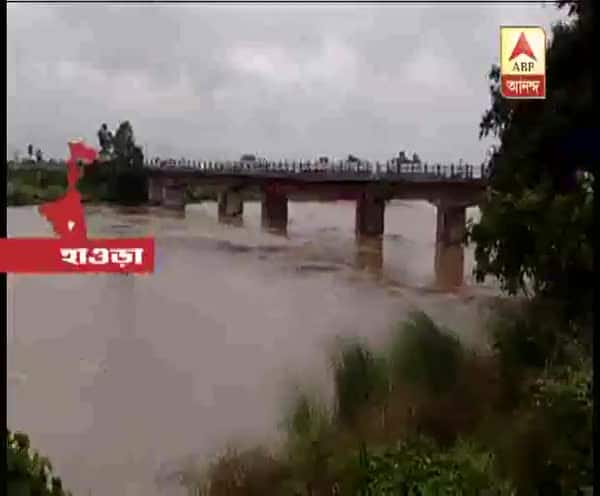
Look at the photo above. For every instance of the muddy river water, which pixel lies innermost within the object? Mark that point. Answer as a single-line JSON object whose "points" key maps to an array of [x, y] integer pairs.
{"points": [[115, 377]]}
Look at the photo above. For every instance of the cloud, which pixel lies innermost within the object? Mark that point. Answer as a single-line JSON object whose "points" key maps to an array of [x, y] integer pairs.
{"points": [[216, 81]]}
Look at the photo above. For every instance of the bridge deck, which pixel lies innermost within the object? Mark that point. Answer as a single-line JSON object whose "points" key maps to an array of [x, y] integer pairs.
{"points": [[333, 176]]}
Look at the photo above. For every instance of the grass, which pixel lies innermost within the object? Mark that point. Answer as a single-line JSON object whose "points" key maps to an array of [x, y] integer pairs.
{"points": [[19, 194], [425, 416]]}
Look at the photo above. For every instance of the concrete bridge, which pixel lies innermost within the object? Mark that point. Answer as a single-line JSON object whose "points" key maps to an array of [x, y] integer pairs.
{"points": [[450, 188]]}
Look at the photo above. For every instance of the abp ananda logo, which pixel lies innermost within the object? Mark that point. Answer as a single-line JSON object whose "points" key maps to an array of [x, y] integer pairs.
{"points": [[523, 62]]}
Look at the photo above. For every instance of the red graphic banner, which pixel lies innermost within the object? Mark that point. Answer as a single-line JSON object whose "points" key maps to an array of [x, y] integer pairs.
{"points": [[44, 255], [73, 251]]}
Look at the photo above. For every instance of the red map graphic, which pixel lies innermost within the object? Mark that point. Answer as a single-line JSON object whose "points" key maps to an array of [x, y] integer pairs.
{"points": [[66, 214], [72, 251], [522, 47]]}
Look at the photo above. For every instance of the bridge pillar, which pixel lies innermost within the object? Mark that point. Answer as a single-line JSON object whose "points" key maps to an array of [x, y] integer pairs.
{"points": [[274, 212], [369, 254], [449, 249], [155, 191], [230, 207], [370, 213], [173, 196]]}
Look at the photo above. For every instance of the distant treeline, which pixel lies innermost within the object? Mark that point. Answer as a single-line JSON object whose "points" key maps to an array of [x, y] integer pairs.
{"points": [[101, 182]]}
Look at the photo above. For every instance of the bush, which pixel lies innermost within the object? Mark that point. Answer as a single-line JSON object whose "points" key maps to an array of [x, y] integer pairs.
{"points": [[549, 450], [130, 186], [419, 468], [51, 192], [248, 472], [360, 379], [528, 339], [23, 194], [431, 418], [111, 182], [424, 356], [311, 442]]}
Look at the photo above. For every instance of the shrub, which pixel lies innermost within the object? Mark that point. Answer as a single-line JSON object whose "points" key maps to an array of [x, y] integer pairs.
{"points": [[112, 182], [424, 356], [311, 443], [528, 339], [419, 468], [549, 448], [360, 379], [130, 186], [22, 194], [247, 472], [52, 192], [423, 419]]}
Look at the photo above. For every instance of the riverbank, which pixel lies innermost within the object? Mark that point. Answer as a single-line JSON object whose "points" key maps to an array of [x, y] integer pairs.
{"points": [[107, 183], [424, 415]]}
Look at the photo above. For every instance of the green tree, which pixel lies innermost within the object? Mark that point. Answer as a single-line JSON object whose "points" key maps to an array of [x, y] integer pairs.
{"points": [[28, 473], [126, 151], [535, 231]]}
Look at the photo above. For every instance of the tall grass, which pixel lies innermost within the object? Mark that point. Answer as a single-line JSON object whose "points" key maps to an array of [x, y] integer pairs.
{"points": [[361, 381], [425, 416], [424, 356]]}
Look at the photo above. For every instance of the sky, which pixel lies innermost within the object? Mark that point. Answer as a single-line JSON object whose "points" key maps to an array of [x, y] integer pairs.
{"points": [[282, 81]]}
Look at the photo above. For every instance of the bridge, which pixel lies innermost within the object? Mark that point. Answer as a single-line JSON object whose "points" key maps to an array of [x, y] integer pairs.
{"points": [[451, 188]]}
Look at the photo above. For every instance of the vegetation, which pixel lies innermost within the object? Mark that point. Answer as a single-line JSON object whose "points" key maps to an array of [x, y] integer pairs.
{"points": [[113, 181], [28, 473], [425, 416], [124, 150], [102, 182], [535, 232], [429, 417], [118, 177], [30, 186]]}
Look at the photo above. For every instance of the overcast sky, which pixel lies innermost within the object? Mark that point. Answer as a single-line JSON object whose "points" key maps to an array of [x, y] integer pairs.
{"points": [[206, 81]]}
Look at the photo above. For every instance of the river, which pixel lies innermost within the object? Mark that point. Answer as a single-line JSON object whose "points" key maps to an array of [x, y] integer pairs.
{"points": [[116, 377]]}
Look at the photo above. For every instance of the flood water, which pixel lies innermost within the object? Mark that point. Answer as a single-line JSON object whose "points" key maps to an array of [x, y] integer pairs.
{"points": [[115, 377]]}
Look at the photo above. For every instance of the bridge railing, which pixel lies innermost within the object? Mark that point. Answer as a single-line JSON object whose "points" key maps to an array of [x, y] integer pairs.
{"points": [[375, 170], [344, 170]]}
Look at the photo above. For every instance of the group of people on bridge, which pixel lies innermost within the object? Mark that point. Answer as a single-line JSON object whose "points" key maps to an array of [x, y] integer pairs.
{"points": [[358, 167]]}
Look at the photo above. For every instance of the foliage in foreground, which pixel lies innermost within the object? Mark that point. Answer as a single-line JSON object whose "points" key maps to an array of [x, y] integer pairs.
{"points": [[420, 468], [28, 473], [536, 227], [428, 417]]}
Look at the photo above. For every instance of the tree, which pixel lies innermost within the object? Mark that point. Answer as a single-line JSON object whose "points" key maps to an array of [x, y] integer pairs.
{"points": [[27, 471], [30, 151], [125, 149], [535, 231]]}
